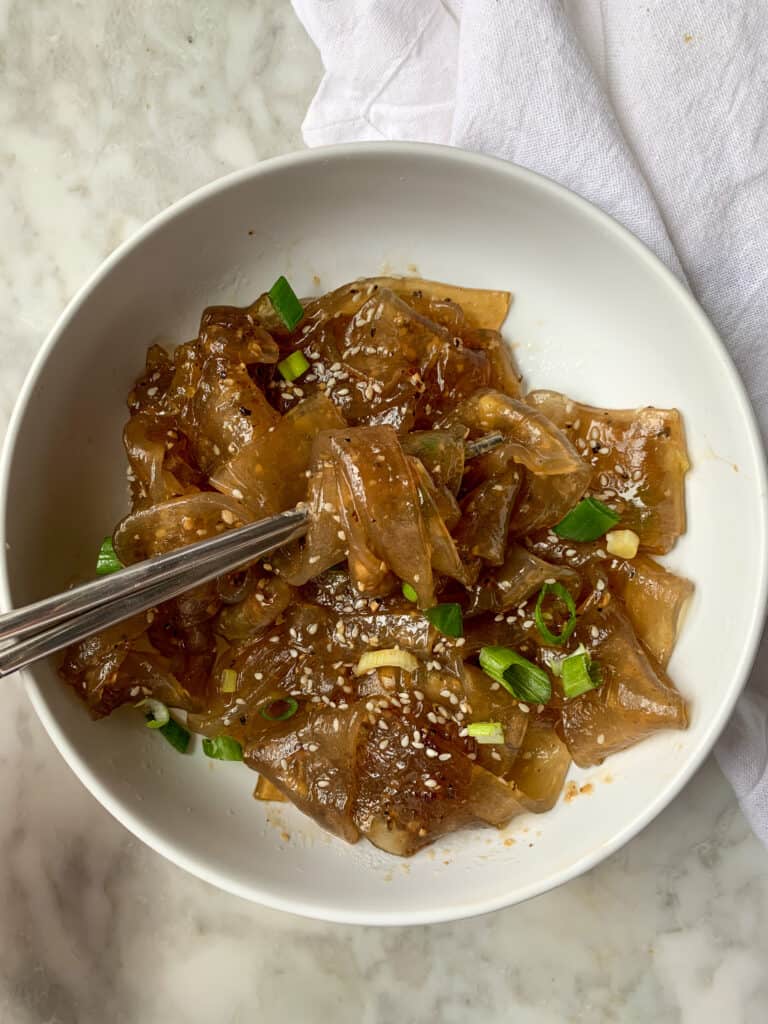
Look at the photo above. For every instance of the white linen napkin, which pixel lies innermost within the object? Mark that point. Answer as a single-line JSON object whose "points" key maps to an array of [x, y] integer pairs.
{"points": [[655, 110]]}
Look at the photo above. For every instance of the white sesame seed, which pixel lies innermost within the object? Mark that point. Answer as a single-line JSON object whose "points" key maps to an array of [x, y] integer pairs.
{"points": [[312, 747], [430, 752], [383, 744], [524, 708], [601, 739], [341, 535], [528, 623], [284, 764], [595, 632], [430, 783], [495, 755], [404, 741], [323, 783], [444, 757]]}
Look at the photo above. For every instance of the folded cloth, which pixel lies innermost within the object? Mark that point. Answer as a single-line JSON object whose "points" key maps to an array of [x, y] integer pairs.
{"points": [[655, 110]]}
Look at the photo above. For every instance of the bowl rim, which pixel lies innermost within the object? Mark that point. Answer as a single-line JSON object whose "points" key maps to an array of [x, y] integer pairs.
{"points": [[198, 866]]}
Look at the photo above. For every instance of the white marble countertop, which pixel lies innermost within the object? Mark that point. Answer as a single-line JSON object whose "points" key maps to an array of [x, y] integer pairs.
{"points": [[110, 112]]}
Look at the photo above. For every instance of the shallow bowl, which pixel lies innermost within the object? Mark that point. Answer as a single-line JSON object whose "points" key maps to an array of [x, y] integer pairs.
{"points": [[595, 314]]}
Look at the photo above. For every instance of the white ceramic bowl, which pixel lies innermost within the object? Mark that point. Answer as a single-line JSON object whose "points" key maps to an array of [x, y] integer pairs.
{"points": [[595, 314]]}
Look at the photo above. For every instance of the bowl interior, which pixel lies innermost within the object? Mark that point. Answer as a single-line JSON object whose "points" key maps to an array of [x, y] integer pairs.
{"points": [[594, 315]]}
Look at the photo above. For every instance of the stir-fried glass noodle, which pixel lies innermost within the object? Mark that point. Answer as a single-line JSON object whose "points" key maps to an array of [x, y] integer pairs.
{"points": [[455, 628]]}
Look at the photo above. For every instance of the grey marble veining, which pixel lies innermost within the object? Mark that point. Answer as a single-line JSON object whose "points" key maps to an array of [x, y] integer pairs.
{"points": [[109, 112]]}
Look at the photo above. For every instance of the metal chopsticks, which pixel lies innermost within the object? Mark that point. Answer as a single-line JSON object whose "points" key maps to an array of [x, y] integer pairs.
{"points": [[65, 619]]}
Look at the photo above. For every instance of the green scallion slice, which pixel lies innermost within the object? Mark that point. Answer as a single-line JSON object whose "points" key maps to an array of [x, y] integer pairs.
{"points": [[107, 561], [520, 677], [293, 366], [176, 735], [279, 710], [157, 714], [409, 593], [486, 732], [446, 618], [285, 303], [579, 674], [223, 748], [588, 520], [560, 592]]}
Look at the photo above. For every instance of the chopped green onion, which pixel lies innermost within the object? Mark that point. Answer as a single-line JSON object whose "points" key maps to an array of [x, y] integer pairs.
{"points": [[560, 592], [588, 520], [486, 732], [293, 365], [553, 662], [279, 710], [228, 680], [409, 593], [157, 714], [390, 657], [223, 748], [579, 674], [446, 618], [107, 561], [286, 304], [176, 735], [516, 674]]}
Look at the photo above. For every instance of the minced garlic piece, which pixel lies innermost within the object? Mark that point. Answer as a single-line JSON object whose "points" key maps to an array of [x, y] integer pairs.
{"points": [[622, 543]]}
